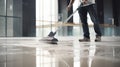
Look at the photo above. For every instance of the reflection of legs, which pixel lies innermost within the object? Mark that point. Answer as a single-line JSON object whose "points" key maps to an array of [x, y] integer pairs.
{"points": [[95, 20], [91, 54], [83, 16]]}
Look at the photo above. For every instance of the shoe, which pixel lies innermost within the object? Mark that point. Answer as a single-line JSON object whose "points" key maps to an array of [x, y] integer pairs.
{"points": [[98, 39], [84, 39]]}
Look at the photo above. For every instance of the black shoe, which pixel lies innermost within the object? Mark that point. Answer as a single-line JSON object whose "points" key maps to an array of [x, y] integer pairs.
{"points": [[84, 39], [98, 39]]}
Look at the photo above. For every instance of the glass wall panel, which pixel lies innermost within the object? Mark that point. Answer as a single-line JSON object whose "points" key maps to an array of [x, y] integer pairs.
{"points": [[2, 7], [10, 18], [17, 8], [2, 26], [9, 7], [14, 27], [17, 27], [9, 26]]}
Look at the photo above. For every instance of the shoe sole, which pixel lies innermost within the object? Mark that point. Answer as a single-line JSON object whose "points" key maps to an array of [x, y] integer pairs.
{"points": [[84, 41]]}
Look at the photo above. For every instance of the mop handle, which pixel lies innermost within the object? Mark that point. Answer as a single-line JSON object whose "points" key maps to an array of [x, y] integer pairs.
{"points": [[71, 15], [67, 19]]}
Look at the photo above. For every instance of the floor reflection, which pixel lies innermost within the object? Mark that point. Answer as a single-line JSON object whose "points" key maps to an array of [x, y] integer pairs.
{"points": [[69, 52]]}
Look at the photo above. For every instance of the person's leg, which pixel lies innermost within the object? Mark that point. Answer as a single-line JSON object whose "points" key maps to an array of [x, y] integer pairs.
{"points": [[95, 20], [83, 16]]}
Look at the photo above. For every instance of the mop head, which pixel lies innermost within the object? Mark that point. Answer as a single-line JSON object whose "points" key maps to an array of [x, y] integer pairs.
{"points": [[51, 40]]}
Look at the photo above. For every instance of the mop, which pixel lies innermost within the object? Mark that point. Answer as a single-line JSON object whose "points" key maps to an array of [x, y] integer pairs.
{"points": [[50, 38]]}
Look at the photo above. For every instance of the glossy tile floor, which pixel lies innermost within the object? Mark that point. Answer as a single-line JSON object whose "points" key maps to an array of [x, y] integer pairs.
{"points": [[69, 52]]}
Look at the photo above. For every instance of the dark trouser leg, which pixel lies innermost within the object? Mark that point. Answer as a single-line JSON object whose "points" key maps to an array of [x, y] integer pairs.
{"points": [[94, 18], [83, 17]]}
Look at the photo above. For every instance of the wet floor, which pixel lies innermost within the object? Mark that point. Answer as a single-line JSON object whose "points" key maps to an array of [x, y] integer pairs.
{"points": [[69, 52]]}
